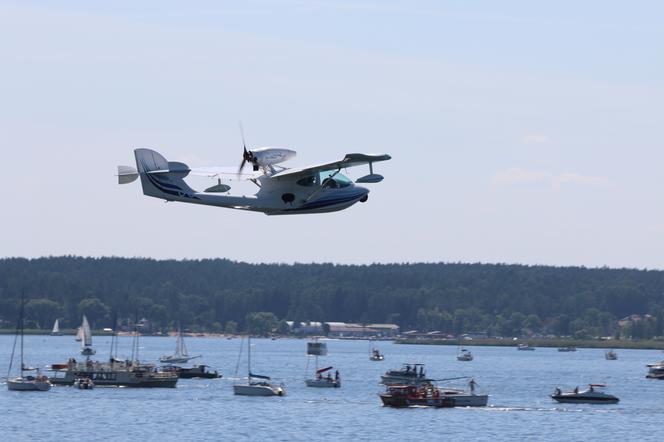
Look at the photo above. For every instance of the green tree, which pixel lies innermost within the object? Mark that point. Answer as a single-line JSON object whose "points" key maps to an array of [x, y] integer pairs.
{"points": [[231, 327], [94, 310], [43, 311], [261, 323]]}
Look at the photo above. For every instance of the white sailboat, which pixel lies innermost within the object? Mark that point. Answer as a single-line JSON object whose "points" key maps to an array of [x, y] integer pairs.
{"points": [[86, 341], [79, 334], [22, 382], [462, 353], [260, 387], [321, 379], [181, 355], [56, 329]]}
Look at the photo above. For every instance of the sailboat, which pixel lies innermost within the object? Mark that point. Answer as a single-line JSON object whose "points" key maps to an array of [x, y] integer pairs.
{"points": [[56, 329], [462, 353], [79, 334], [181, 354], [321, 379], [25, 383], [259, 387], [86, 342]]}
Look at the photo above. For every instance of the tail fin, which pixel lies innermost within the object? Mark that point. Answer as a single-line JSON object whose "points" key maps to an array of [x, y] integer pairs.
{"points": [[163, 179]]}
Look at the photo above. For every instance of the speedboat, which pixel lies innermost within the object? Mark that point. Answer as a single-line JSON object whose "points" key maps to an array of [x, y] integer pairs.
{"points": [[592, 395], [376, 355], [567, 349], [525, 347], [408, 374], [656, 371], [197, 371]]}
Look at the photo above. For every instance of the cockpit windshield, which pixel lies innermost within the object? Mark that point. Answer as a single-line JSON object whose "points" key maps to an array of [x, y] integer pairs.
{"points": [[329, 179]]}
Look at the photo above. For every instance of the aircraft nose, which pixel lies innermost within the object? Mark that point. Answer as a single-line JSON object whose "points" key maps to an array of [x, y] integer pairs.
{"points": [[364, 194]]}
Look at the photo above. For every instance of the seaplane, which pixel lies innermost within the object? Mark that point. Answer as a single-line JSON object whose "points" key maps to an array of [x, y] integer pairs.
{"points": [[281, 191]]}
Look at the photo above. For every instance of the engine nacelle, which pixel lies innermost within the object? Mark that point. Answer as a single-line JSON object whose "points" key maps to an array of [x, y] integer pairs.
{"points": [[267, 156]]}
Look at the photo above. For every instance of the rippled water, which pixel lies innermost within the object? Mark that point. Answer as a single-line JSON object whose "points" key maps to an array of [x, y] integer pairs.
{"points": [[518, 384]]}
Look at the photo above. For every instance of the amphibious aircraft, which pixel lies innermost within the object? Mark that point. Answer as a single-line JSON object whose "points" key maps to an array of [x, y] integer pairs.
{"points": [[281, 191]]}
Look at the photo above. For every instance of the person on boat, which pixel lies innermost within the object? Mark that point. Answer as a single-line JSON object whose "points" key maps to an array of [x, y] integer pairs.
{"points": [[407, 368], [421, 371], [576, 389], [557, 392], [336, 375], [591, 389], [472, 384]]}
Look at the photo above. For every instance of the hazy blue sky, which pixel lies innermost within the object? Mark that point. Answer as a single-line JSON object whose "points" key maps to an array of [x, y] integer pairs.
{"points": [[521, 131]]}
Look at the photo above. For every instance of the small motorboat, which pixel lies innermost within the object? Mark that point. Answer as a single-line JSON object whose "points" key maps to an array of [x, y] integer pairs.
{"points": [[610, 355], [592, 395], [197, 371], [84, 383], [656, 371], [525, 347], [567, 349]]}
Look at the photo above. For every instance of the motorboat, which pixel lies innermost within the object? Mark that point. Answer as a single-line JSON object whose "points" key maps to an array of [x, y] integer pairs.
{"points": [[464, 355], [429, 395], [408, 374], [22, 382], [525, 347], [567, 349], [84, 384], [181, 355], [594, 394], [656, 371], [610, 355], [260, 387], [197, 371]]}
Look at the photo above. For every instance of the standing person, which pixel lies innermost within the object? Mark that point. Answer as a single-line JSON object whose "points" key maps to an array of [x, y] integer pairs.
{"points": [[472, 384]]}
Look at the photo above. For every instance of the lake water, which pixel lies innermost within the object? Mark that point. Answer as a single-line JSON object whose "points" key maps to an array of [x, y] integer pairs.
{"points": [[518, 383]]}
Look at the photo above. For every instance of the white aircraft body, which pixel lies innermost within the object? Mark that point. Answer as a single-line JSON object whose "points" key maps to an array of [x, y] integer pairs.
{"points": [[281, 191]]}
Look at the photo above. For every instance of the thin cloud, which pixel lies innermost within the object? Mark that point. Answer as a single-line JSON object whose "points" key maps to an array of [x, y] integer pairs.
{"points": [[517, 176], [535, 139]]}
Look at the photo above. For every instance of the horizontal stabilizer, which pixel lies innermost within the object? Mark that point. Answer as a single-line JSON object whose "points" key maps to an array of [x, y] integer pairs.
{"points": [[127, 174]]}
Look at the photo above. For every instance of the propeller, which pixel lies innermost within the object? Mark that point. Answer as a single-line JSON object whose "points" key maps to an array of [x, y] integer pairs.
{"points": [[247, 155]]}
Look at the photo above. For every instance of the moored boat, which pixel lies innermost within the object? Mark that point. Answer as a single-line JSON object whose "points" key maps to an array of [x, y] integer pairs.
{"points": [[84, 384], [252, 387], [464, 355], [322, 376], [181, 354], [567, 349], [113, 374], [592, 395], [525, 347], [22, 382]]}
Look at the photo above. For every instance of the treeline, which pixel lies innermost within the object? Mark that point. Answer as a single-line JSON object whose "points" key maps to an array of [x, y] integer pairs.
{"points": [[504, 300]]}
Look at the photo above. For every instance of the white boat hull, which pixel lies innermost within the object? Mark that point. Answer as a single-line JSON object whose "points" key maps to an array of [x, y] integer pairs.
{"points": [[323, 383], [258, 390], [22, 384]]}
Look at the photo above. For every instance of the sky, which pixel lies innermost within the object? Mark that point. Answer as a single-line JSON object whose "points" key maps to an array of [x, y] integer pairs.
{"points": [[520, 132]]}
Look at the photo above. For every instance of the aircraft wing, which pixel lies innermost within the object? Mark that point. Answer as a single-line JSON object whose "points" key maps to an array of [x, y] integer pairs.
{"points": [[350, 160], [224, 172]]}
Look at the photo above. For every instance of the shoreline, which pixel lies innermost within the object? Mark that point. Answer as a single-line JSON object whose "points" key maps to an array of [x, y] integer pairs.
{"points": [[545, 343]]}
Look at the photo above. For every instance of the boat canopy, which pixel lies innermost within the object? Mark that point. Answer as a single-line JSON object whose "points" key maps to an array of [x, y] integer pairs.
{"points": [[323, 370], [258, 376]]}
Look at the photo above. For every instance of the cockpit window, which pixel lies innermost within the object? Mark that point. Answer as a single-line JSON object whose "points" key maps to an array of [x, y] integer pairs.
{"points": [[334, 182], [308, 181]]}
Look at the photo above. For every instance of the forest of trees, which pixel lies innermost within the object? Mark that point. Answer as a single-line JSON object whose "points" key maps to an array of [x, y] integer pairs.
{"points": [[218, 295]]}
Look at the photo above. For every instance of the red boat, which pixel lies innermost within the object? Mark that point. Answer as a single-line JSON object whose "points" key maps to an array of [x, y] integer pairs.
{"points": [[429, 395]]}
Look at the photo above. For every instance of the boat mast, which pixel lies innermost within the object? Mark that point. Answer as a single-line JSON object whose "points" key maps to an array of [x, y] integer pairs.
{"points": [[20, 320], [249, 357]]}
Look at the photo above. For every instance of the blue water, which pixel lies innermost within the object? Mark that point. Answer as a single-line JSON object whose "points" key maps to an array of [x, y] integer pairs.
{"points": [[518, 384]]}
